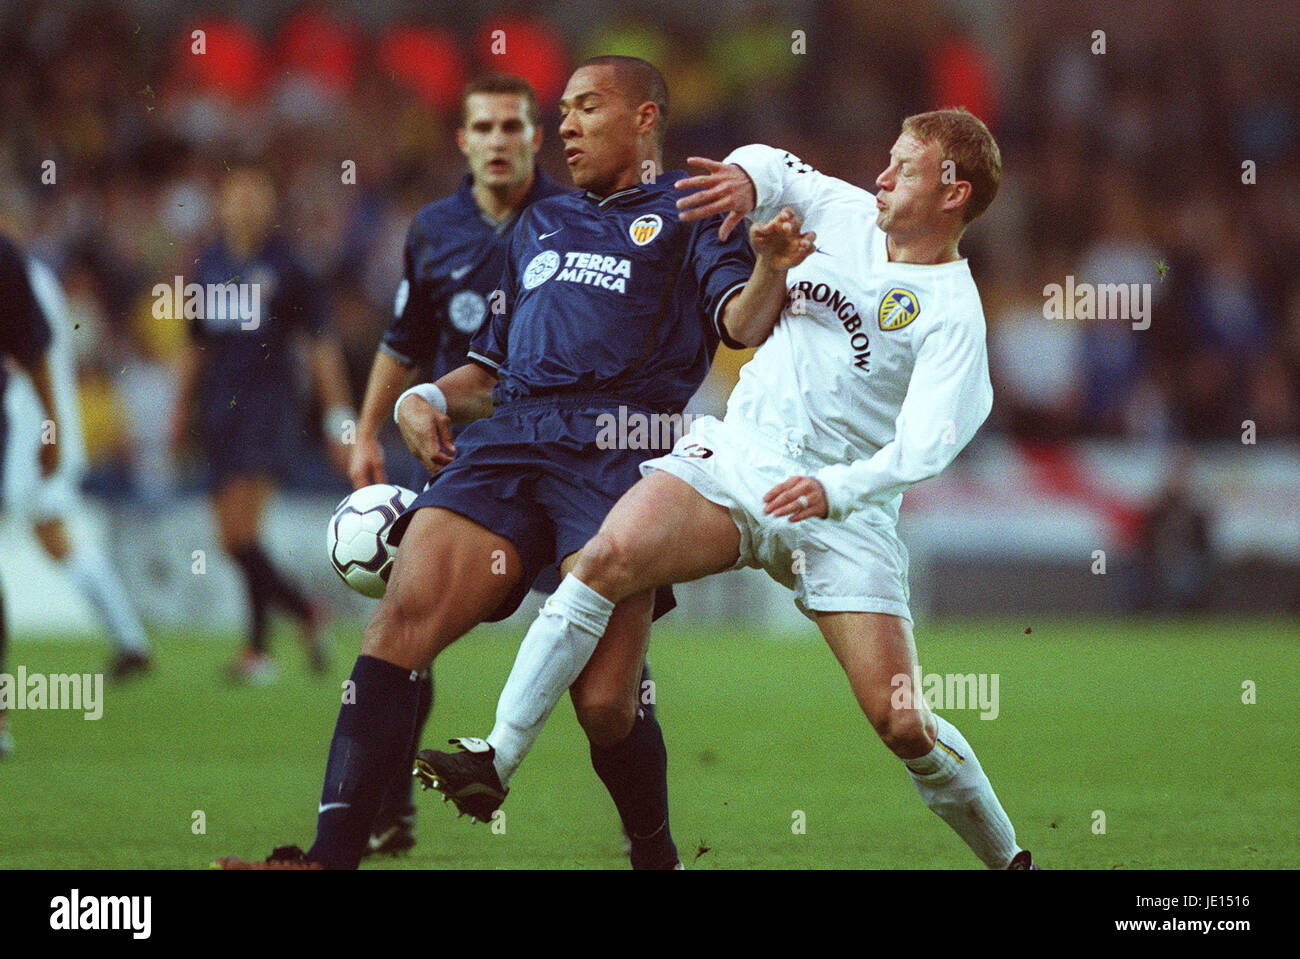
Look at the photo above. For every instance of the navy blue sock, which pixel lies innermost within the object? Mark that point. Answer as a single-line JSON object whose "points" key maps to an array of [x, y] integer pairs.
{"points": [[277, 590], [399, 800], [259, 598], [371, 741], [635, 771]]}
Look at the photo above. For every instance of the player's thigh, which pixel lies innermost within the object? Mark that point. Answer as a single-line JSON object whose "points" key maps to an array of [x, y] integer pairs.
{"points": [[661, 531], [878, 654], [605, 693], [449, 575], [239, 503]]}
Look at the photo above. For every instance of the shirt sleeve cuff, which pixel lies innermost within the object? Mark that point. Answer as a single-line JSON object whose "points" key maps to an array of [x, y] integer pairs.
{"points": [[755, 160], [833, 480], [493, 366], [396, 354], [717, 317]]}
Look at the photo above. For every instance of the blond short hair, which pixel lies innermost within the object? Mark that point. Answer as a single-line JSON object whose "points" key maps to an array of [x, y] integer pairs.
{"points": [[964, 139]]}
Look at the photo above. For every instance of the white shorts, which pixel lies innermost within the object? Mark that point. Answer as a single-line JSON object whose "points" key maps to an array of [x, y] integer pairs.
{"points": [[857, 564], [25, 495]]}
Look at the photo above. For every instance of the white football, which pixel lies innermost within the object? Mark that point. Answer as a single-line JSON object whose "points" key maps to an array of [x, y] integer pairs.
{"points": [[357, 536]]}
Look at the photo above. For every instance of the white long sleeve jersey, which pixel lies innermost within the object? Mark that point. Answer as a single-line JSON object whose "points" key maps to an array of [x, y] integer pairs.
{"points": [[876, 374]]}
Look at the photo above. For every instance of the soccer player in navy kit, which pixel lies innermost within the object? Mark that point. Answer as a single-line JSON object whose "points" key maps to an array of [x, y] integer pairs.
{"points": [[25, 337], [609, 302], [454, 256], [453, 259], [239, 367]]}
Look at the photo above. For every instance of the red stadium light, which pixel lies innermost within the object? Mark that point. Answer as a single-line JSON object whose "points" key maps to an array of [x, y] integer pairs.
{"points": [[527, 49], [961, 75], [232, 62], [317, 45], [426, 60]]}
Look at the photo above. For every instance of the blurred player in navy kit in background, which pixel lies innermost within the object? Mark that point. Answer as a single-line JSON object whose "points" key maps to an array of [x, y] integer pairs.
{"points": [[24, 339], [238, 371], [455, 253], [454, 256]]}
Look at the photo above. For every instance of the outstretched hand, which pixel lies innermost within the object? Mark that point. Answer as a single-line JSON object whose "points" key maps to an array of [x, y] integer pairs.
{"points": [[780, 242], [722, 188]]}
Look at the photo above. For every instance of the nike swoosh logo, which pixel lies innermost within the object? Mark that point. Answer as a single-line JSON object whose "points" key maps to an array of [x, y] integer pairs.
{"points": [[327, 806], [458, 273], [543, 236]]}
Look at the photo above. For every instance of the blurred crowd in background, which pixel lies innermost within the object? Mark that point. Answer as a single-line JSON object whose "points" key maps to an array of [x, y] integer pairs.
{"points": [[1171, 159]]}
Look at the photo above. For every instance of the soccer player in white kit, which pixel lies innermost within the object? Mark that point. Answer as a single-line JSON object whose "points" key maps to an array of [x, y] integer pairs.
{"points": [[873, 378], [48, 502]]}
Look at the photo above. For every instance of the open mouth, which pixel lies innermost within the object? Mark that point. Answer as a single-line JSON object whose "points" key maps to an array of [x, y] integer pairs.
{"points": [[498, 166]]}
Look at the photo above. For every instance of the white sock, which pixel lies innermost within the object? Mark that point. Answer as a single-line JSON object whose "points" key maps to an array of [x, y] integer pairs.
{"points": [[100, 585], [552, 655], [951, 782]]}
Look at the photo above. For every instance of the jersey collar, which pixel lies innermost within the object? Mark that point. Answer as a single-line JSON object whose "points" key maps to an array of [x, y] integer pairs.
{"points": [[661, 183], [542, 186], [613, 198]]}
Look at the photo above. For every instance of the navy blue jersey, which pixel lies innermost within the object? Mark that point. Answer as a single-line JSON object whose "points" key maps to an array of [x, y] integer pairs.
{"points": [[24, 329], [454, 257], [247, 355], [613, 296]]}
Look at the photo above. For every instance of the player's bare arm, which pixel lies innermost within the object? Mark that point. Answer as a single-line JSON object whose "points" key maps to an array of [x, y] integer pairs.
{"points": [[426, 430], [329, 372], [388, 378], [724, 188], [750, 315], [39, 372], [188, 367]]}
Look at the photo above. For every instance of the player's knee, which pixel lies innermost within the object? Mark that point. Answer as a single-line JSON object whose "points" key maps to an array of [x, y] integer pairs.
{"points": [[395, 631], [53, 538], [904, 732], [608, 565], [605, 720], [235, 538]]}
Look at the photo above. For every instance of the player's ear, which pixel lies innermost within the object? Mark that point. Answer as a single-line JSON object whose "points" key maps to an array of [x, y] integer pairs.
{"points": [[538, 135], [647, 116], [956, 195], [460, 140]]}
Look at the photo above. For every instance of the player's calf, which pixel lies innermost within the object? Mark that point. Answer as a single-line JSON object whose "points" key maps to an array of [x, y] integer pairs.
{"points": [[605, 694]]}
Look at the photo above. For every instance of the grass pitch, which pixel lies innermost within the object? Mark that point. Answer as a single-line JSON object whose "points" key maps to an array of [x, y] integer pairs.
{"points": [[1138, 727]]}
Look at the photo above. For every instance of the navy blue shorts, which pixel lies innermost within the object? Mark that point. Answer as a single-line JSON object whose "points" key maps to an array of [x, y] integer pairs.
{"points": [[532, 472], [546, 581], [251, 438]]}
